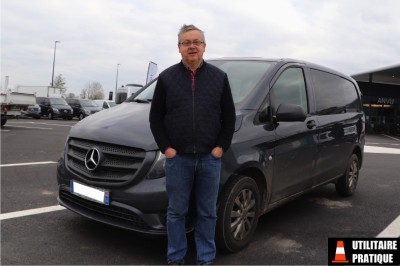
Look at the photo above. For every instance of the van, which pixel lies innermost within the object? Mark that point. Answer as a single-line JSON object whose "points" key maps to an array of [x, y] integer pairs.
{"points": [[54, 107], [83, 107], [105, 104], [298, 126], [124, 92]]}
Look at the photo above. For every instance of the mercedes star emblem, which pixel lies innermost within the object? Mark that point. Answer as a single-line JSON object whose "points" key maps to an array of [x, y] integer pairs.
{"points": [[92, 159]]}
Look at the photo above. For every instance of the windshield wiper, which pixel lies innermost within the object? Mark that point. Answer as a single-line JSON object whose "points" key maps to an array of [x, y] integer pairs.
{"points": [[141, 100]]}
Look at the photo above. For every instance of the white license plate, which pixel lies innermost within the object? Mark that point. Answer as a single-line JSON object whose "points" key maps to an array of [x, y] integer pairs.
{"points": [[91, 193]]}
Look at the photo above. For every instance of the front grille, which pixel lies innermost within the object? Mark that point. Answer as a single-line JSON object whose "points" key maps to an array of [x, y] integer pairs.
{"points": [[65, 111], [106, 213], [118, 164]]}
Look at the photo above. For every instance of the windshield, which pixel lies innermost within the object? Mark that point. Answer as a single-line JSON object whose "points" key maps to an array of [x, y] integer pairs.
{"points": [[243, 77], [88, 103], [58, 101]]}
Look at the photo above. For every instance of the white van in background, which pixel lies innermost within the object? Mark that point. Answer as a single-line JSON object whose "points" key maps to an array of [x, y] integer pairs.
{"points": [[124, 92], [105, 104]]}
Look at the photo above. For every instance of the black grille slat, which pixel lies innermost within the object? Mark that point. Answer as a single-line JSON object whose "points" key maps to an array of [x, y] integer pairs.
{"points": [[119, 163], [117, 214]]}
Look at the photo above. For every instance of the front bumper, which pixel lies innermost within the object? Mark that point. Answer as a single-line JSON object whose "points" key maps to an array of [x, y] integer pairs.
{"points": [[117, 214]]}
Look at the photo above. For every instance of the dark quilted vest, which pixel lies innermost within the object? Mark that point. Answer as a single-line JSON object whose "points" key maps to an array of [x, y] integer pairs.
{"points": [[192, 109]]}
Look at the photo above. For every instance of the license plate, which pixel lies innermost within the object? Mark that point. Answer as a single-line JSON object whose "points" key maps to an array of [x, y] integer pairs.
{"points": [[91, 193]]}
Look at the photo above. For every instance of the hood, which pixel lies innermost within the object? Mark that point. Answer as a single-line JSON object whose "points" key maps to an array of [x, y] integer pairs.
{"points": [[62, 106], [93, 108], [126, 124]]}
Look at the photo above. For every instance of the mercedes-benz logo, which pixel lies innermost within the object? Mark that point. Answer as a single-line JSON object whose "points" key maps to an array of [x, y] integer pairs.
{"points": [[92, 159]]}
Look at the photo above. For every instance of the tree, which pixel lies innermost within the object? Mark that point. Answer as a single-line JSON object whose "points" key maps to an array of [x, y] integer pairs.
{"points": [[59, 83], [93, 90]]}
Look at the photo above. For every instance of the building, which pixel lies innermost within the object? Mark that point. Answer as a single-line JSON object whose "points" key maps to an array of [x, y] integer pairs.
{"points": [[381, 99]]}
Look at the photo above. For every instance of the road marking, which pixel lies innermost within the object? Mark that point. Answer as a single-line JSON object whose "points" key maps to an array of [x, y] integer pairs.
{"points": [[45, 128], [42, 123], [373, 149], [24, 164], [393, 230], [379, 143], [11, 215], [391, 137]]}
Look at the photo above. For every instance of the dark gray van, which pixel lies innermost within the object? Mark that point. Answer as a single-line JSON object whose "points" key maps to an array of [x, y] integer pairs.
{"points": [[54, 108], [298, 126], [83, 107]]}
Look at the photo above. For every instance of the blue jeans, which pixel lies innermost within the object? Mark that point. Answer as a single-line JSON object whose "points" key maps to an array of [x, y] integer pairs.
{"points": [[200, 172]]}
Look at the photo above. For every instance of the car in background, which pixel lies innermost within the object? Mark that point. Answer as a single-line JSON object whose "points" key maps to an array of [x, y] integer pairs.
{"points": [[106, 104], [54, 108], [33, 111], [83, 107]]}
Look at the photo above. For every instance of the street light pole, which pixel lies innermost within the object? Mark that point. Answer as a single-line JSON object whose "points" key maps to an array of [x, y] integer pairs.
{"points": [[116, 85], [54, 61]]}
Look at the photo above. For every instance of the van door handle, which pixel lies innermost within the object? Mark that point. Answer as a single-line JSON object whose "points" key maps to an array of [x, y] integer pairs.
{"points": [[311, 124]]}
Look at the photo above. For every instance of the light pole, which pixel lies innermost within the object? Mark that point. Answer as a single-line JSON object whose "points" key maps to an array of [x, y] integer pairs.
{"points": [[116, 85], [54, 61]]}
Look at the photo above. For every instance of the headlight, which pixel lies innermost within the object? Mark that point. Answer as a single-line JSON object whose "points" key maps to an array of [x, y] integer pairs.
{"points": [[55, 110], [157, 170], [87, 112]]}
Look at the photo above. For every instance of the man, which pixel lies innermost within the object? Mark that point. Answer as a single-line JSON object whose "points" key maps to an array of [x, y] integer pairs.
{"points": [[192, 118]]}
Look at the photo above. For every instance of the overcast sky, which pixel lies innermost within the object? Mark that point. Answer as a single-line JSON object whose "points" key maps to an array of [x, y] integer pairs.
{"points": [[351, 36]]}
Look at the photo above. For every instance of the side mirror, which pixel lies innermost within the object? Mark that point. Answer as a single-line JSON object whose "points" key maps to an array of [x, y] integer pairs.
{"points": [[290, 113], [264, 115]]}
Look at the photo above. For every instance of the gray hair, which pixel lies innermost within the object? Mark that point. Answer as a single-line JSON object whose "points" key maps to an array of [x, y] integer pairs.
{"points": [[186, 28]]}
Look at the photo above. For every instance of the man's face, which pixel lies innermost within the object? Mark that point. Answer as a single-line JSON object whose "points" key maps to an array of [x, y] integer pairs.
{"points": [[192, 53]]}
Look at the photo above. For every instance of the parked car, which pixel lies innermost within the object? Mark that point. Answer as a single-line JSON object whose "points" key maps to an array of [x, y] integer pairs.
{"points": [[105, 103], [298, 126], [33, 111], [83, 107], [54, 107]]}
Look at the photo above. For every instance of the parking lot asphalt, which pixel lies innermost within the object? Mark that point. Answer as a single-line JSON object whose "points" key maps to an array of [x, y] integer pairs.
{"points": [[294, 234]]}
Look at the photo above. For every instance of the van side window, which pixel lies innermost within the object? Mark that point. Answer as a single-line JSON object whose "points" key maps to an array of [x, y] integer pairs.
{"points": [[334, 94], [290, 88]]}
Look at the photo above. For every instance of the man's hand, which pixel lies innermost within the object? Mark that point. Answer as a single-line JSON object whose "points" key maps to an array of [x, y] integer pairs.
{"points": [[217, 152], [170, 153]]}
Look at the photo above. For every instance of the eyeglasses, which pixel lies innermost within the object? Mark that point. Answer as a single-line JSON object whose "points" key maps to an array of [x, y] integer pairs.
{"points": [[189, 43]]}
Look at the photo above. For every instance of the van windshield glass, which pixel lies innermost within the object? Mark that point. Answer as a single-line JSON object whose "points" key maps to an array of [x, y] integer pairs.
{"points": [[88, 103], [243, 77], [58, 101]]}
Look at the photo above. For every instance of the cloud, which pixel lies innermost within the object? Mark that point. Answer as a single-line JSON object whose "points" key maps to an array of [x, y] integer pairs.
{"points": [[95, 35]]}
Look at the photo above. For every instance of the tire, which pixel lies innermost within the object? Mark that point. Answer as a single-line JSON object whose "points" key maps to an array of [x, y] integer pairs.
{"points": [[3, 121], [81, 116], [346, 185], [51, 116], [238, 214]]}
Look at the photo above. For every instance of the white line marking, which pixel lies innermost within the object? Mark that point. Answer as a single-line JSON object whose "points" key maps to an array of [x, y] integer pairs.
{"points": [[373, 149], [11, 215], [24, 164], [378, 143], [393, 230], [391, 137], [38, 123], [46, 128]]}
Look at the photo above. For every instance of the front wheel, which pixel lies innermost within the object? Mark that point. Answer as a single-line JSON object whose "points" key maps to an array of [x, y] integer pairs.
{"points": [[238, 213], [51, 116], [346, 185]]}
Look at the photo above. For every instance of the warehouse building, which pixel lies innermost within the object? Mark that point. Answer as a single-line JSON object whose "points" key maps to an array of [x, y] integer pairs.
{"points": [[381, 99]]}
